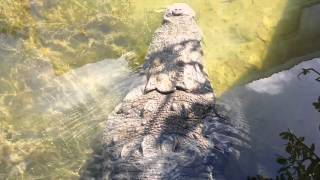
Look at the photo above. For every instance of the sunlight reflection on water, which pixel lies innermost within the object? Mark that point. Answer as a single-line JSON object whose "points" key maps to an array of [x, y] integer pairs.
{"points": [[271, 106]]}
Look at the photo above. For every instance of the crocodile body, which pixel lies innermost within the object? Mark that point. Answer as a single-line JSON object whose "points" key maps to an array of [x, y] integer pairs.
{"points": [[167, 128]]}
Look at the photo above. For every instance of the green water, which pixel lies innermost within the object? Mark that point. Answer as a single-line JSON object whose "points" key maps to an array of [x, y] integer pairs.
{"points": [[54, 94]]}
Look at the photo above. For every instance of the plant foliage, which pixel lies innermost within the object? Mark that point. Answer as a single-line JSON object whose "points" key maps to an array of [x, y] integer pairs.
{"points": [[302, 161]]}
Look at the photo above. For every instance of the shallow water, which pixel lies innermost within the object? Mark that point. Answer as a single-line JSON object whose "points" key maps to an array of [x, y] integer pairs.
{"points": [[64, 65]]}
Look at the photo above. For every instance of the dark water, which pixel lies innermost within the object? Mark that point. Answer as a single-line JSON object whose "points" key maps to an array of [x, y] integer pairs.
{"points": [[267, 107]]}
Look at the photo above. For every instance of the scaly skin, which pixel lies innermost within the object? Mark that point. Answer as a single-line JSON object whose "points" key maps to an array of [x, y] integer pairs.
{"points": [[165, 128]]}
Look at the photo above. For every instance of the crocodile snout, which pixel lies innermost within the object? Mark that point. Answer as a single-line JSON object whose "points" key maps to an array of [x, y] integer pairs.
{"points": [[180, 9], [177, 12]]}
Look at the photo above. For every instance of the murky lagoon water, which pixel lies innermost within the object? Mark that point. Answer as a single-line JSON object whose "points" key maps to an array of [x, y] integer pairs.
{"points": [[65, 64]]}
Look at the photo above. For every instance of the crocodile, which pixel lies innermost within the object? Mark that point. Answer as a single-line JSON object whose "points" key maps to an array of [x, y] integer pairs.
{"points": [[167, 127]]}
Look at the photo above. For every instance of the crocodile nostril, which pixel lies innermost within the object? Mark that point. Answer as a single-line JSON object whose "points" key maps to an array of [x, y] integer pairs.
{"points": [[177, 12]]}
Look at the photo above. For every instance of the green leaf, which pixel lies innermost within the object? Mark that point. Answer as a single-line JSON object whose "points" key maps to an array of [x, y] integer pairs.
{"points": [[285, 135], [305, 71], [317, 105], [312, 147], [289, 149], [282, 160]]}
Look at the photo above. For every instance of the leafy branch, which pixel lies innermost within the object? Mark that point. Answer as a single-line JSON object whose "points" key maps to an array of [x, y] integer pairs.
{"points": [[302, 163], [308, 71]]}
